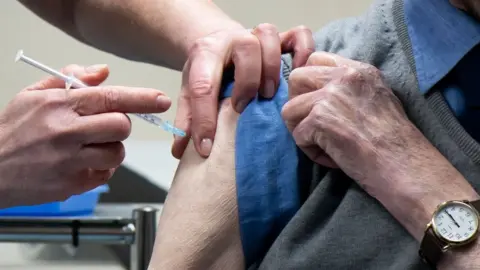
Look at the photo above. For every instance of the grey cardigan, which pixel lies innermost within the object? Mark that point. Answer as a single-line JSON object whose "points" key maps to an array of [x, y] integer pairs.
{"points": [[339, 226]]}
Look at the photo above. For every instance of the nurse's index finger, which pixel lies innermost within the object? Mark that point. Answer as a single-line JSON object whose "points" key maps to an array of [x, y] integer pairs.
{"points": [[204, 80], [104, 99]]}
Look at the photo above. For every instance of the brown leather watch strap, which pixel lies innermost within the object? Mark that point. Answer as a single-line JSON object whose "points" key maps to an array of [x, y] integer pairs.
{"points": [[475, 204], [431, 249]]}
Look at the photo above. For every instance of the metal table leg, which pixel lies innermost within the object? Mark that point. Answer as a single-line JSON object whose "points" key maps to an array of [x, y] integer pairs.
{"points": [[145, 228], [112, 224]]}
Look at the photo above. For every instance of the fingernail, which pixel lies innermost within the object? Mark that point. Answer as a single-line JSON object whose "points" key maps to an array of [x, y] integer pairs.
{"points": [[241, 105], [206, 147], [95, 68], [163, 101], [269, 88]]}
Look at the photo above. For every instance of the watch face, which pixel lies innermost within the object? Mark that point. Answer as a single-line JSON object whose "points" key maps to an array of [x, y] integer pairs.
{"points": [[456, 222]]}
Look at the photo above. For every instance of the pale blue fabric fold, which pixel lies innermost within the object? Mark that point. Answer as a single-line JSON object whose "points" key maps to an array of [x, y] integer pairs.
{"points": [[266, 163]]}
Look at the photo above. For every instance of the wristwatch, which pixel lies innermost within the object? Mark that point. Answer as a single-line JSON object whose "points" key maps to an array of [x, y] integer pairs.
{"points": [[454, 224]]}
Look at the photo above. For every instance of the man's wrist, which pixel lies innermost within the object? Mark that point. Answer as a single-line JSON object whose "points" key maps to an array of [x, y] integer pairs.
{"points": [[414, 200], [414, 208], [419, 179]]}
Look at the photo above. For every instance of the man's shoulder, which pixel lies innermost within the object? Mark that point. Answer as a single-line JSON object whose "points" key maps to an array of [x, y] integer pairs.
{"points": [[370, 37], [373, 30]]}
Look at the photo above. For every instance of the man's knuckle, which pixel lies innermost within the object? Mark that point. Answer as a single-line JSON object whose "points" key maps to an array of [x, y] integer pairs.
{"points": [[247, 43], [55, 98], [302, 80], [33, 98], [352, 75], [299, 85], [302, 29], [111, 99], [334, 93], [296, 76], [58, 134], [63, 132], [201, 88], [345, 136], [266, 29], [204, 44], [318, 108], [364, 66], [206, 124], [294, 81], [373, 72], [316, 56], [317, 114]]}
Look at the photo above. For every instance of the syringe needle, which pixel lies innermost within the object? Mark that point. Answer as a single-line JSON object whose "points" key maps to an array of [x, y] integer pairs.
{"points": [[72, 82]]}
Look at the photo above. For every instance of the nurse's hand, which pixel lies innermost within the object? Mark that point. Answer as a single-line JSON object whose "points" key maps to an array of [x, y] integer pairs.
{"points": [[56, 143], [256, 57]]}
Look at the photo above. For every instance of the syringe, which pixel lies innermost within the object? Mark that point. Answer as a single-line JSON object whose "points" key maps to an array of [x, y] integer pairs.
{"points": [[71, 81]]}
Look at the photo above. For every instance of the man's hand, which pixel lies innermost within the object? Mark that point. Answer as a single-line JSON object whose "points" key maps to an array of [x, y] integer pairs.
{"points": [[342, 110], [256, 57], [57, 142]]}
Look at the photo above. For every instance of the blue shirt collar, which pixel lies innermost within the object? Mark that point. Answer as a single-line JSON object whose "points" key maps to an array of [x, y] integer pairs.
{"points": [[440, 35]]}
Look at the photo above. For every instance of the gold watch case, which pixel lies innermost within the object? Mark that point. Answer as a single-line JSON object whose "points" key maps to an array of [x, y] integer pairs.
{"points": [[449, 243]]}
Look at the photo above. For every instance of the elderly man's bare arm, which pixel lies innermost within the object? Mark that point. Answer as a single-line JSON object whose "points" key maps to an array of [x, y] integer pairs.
{"points": [[199, 226]]}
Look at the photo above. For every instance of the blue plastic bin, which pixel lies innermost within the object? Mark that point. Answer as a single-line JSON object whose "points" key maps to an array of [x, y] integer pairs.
{"points": [[77, 205]]}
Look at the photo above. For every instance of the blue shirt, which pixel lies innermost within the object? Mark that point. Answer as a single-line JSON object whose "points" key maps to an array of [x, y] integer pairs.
{"points": [[266, 163], [444, 43]]}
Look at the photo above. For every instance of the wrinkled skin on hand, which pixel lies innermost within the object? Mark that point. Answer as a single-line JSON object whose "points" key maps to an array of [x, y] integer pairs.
{"points": [[342, 113], [57, 143], [256, 57]]}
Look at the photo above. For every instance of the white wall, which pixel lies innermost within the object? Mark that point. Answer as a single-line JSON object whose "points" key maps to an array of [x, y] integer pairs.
{"points": [[21, 30]]}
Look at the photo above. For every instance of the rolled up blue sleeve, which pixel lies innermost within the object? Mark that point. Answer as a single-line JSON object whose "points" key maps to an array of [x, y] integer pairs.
{"points": [[266, 163]]}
